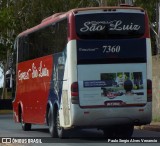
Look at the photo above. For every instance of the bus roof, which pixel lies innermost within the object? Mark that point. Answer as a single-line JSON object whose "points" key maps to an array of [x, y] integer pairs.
{"points": [[111, 8], [57, 16]]}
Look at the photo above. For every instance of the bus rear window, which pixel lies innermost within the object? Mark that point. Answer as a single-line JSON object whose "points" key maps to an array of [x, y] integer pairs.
{"points": [[110, 25]]}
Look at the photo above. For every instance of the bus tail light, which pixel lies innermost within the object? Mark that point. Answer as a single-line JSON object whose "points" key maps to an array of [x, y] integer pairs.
{"points": [[74, 93], [149, 90]]}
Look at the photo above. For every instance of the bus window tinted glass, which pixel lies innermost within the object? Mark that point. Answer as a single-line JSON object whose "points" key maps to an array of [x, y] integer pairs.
{"points": [[45, 41], [110, 25]]}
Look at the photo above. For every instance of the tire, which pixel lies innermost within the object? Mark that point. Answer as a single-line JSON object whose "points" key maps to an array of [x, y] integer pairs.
{"points": [[109, 132], [60, 130], [121, 131], [25, 126], [51, 123], [125, 131]]}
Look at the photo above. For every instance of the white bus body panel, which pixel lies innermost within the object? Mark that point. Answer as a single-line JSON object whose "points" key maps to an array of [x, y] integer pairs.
{"points": [[90, 81], [96, 117]]}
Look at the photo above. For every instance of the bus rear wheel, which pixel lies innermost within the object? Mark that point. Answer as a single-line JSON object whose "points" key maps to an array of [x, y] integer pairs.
{"points": [[125, 131], [25, 126], [121, 131], [60, 130], [109, 132], [52, 123]]}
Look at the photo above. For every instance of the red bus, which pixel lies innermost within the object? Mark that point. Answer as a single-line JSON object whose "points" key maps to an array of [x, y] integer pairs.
{"points": [[89, 67]]}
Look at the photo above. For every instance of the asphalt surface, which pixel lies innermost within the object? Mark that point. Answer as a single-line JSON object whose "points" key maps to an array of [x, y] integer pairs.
{"points": [[154, 126], [89, 137]]}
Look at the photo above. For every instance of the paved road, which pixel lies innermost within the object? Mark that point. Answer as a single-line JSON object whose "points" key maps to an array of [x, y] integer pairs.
{"points": [[8, 128]]}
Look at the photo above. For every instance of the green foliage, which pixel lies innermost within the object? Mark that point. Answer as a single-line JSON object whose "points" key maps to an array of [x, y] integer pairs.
{"points": [[149, 6], [113, 2], [6, 29]]}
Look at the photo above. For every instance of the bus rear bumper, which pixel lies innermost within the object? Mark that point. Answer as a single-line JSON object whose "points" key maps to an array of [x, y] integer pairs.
{"points": [[98, 117]]}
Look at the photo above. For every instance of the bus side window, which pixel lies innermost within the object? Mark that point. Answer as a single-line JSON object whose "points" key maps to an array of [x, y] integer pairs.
{"points": [[20, 50], [33, 50], [61, 35]]}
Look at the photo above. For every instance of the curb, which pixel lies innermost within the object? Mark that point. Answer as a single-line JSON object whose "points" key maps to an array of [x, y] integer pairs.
{"points": [[151, 127]]}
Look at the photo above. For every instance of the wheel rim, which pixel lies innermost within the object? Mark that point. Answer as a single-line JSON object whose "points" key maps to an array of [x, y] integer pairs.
{"points": [[58, 122], [22, 123], [50, 121]]}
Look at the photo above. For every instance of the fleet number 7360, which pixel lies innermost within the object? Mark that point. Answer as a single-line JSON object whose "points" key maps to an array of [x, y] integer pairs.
{"points": [[111, 49]]}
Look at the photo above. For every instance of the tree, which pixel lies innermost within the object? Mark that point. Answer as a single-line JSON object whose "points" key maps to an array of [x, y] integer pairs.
{"points": [[151, 8], [6, 33]]}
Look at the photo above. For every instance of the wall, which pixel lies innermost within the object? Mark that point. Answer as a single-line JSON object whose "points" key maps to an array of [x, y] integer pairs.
{"points": [[156, 87]]}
